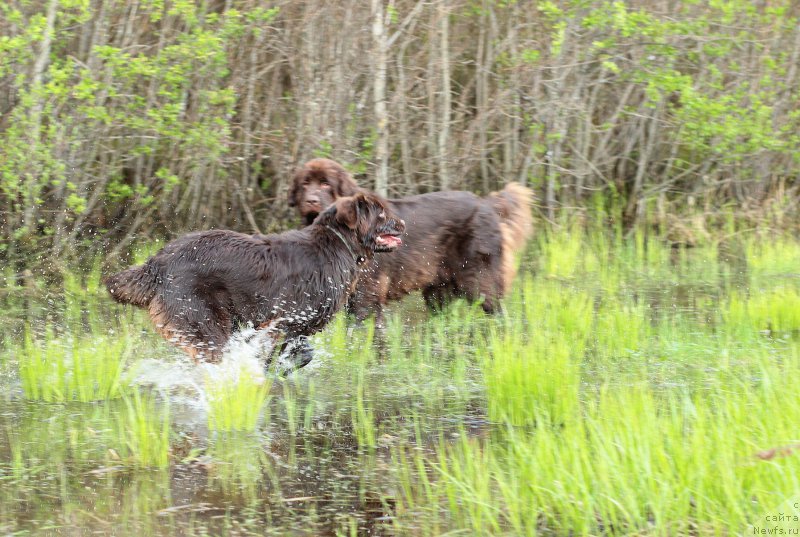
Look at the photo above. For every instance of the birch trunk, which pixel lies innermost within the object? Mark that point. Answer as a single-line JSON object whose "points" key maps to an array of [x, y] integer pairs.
{"points": [[444, 127], [379, 94]]}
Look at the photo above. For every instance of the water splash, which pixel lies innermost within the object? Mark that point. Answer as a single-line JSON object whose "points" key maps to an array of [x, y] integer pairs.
{"points": [[184, 382]]}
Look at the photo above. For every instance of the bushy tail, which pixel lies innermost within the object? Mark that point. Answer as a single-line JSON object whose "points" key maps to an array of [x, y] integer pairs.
{"points": [[136, 285], [513, 206]]}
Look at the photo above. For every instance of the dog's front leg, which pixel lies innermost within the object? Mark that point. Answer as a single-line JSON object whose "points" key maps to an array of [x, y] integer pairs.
{"points": [[299, 352], [294, 353]]}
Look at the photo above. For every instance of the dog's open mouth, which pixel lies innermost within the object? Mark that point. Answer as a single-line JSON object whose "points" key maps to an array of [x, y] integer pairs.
{"points": [[389, 241]]}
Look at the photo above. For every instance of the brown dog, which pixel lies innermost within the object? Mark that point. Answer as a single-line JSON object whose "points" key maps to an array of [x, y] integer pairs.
{"points": [[199, 288], [457, 243]]}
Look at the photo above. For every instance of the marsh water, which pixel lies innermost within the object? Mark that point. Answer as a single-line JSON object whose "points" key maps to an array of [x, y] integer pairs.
{"points": [[333, 451], [301, 472]]}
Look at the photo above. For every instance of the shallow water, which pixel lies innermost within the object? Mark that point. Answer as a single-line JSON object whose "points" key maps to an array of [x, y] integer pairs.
{"points": [[300, 472], [323, 457]]}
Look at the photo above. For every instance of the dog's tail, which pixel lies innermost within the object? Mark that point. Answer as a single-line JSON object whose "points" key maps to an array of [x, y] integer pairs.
{"points": [[136, 285], [513, 207]]}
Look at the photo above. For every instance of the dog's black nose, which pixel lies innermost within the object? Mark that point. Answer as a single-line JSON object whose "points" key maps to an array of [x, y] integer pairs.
{"points": [[313, 203]]}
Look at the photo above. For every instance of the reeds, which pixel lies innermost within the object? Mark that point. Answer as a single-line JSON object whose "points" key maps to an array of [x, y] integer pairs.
{"points": [[773, 311], [533, 381], [634, 460], [615, 418], [143, 431], [627, 387], [236, 402], [72, 369]]}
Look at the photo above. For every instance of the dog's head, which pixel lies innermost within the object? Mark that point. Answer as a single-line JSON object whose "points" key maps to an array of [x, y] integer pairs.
{"points": [[368, 219], [316, 185]]}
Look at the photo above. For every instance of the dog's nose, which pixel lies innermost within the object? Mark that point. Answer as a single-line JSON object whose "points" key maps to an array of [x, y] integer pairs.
{"points": [[312, 201]]}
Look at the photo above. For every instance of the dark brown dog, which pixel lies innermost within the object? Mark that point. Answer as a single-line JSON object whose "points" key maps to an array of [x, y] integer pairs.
{"points": [[201, 287], [457, 243]]}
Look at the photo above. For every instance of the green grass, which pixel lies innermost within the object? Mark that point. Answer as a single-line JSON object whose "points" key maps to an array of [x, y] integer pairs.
{"points": [[775, 310], [614, 418], [239, 463], [72, 369], [627, 388], [562, 253], [143, 431], [235, 404], [533, 381], [771, 254], [635, 457], [621, 328]]}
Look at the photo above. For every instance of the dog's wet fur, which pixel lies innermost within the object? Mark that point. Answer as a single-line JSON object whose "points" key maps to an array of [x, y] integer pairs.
{"points": [[457, 243], [199, 288]]}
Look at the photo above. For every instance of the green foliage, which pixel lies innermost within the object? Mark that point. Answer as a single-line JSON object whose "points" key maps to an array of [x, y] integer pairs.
{"points": [[533, 381], [77, 369], [685, 64], [144, 431], [236, 403], [120, 128], [774, 310], [163, 102]]}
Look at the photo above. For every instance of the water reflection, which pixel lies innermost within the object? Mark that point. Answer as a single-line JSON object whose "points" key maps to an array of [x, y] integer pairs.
{"points": [[320, 459]]}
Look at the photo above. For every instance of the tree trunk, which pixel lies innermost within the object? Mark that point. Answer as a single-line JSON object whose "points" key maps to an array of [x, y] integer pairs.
{"points": [[444, 127], [379, 94]]}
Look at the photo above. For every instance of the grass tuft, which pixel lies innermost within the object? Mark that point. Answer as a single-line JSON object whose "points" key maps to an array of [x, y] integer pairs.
{"points": [[533, 381], [143, 436], [72, 369], [235, 404]]}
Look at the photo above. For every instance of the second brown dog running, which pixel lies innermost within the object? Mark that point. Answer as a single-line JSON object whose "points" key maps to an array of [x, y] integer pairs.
{"points": [[457, 245]]}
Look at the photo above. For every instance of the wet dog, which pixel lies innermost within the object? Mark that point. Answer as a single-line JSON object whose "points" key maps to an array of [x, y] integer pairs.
{"points": [[203, 286], [457, 244]]}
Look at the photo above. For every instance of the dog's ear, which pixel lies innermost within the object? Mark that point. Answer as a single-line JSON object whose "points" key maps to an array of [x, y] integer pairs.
{"points": [[347, 210], [294, 190], [345, 185]]}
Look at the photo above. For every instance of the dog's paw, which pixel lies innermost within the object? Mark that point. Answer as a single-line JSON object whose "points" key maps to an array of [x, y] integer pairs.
{"points": [[297, 354]]}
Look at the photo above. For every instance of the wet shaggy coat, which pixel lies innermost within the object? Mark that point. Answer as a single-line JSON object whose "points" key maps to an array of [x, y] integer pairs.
{"points": [[456, 244], [199, 288]]}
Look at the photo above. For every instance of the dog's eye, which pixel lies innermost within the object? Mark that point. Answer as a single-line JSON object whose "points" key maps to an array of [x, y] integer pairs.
{"points": [[324, 184]]}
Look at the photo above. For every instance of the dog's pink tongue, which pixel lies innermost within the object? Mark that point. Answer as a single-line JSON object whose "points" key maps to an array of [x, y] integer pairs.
{"points": [[390, 240]]}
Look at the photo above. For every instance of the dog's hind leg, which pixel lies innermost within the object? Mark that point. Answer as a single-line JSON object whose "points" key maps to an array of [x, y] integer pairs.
{"points": [[194, 327], [480, 283]]}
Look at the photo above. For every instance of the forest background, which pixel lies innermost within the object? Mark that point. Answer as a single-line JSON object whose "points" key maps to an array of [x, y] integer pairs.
{"points": [[122, 122]]}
